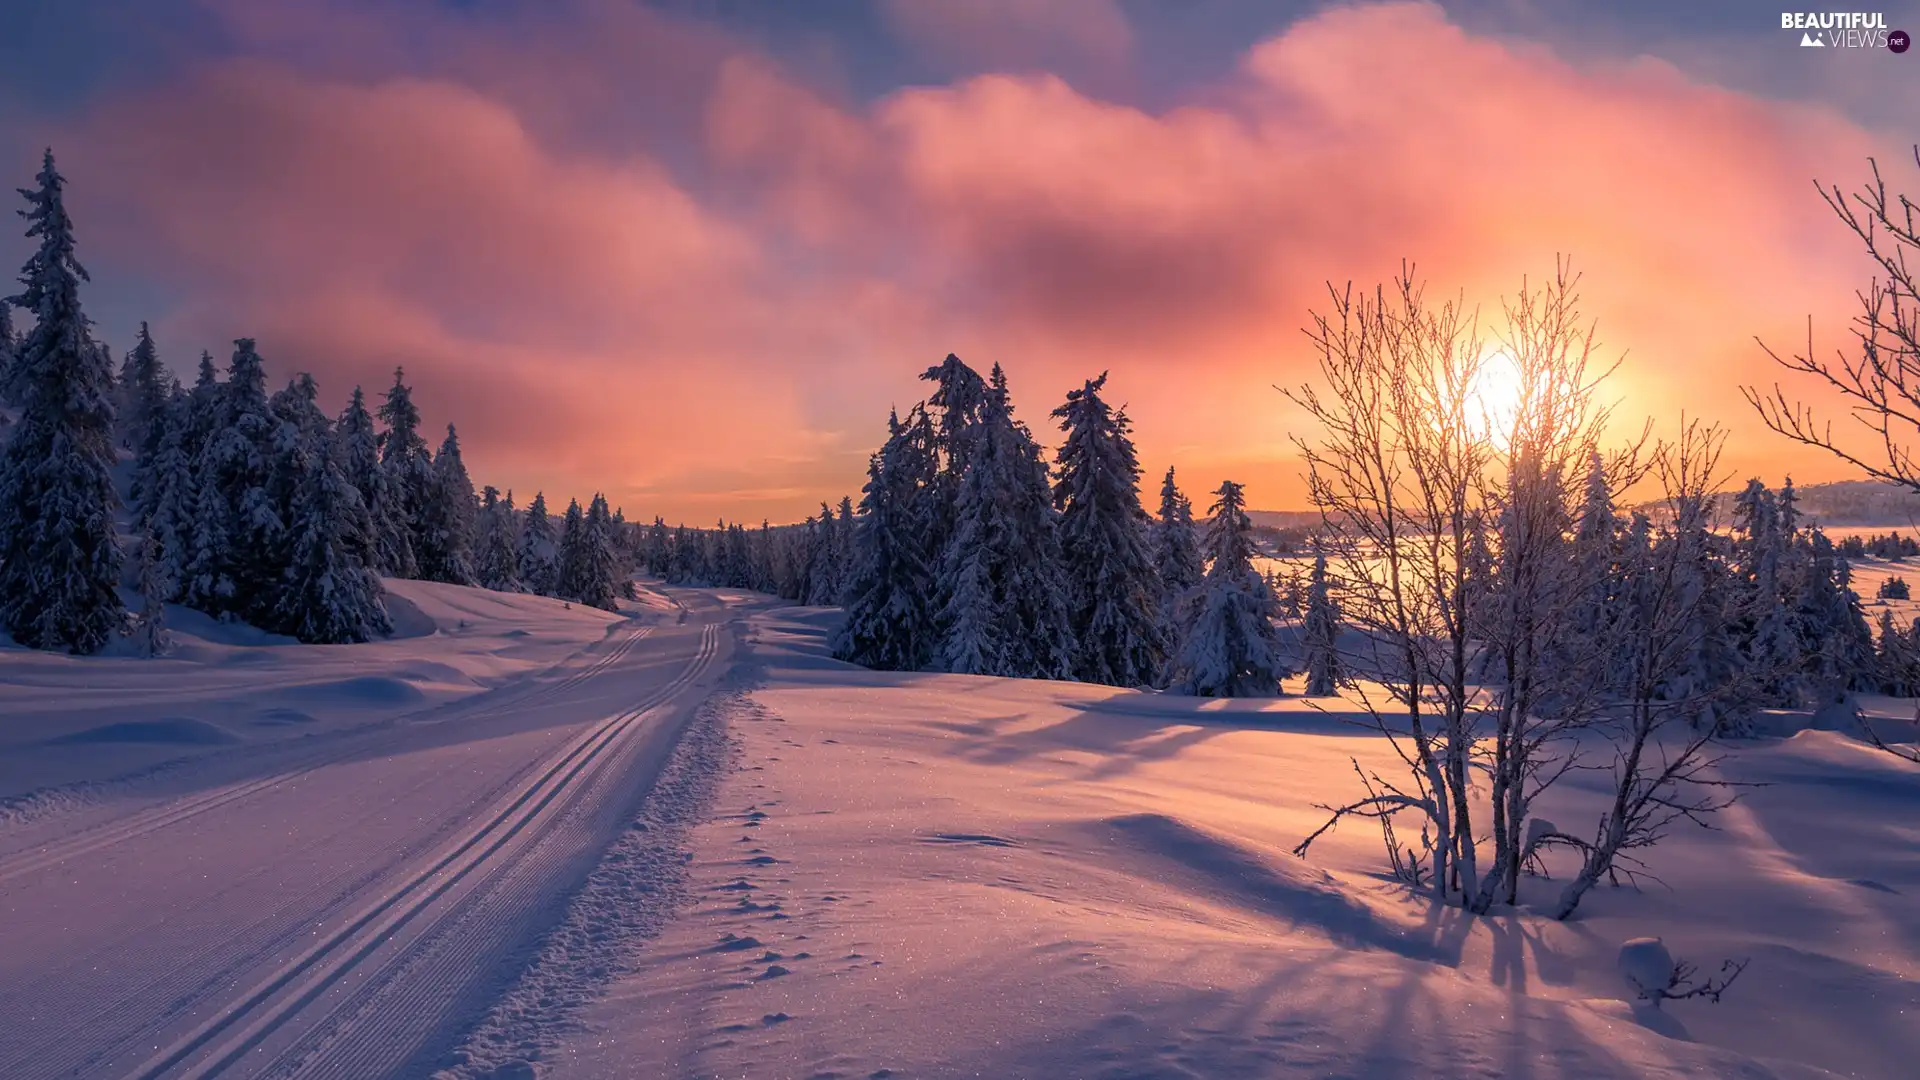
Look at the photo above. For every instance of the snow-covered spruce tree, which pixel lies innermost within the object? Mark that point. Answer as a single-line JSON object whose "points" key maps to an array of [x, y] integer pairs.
{"points": [[8, 343], [1766, 587], [657, 549], [1896, 660], [1320, 633], [1228, 647], [145, 388], [598, 572], [304, 431], [446, 518], [404, 454], [1113, 588], [1006, 605], [890, 623], [823, 571], [167, 493], [683, 560], [570, 583], [1835, 643], [237, 464], [59, 563], [330, 593], [359, 454], [1176, 547], [150, 633], [499, 567], [539, 550]]}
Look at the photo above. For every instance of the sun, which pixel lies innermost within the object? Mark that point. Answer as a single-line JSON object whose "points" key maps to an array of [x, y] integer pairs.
{"points": [[1493, 398]]}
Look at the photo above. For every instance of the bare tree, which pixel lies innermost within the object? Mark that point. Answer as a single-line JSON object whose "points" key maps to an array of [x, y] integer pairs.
{"points": [[1407, 477], [1879, 384], [1394, 476], [1663, 769]]}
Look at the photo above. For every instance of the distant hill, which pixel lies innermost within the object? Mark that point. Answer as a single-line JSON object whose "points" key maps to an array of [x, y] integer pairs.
{"points": [[1844, 503], [1284, 519], [1856, 503]]}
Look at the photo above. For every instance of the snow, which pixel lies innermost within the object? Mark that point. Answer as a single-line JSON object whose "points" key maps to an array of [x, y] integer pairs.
{"points": [[941, 876], [344, 903], [72, 728], [531, 840]]}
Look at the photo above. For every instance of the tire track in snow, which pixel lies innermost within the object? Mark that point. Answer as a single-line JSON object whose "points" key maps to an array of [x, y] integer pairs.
{"points": [[148, 821], [261, 1011]]}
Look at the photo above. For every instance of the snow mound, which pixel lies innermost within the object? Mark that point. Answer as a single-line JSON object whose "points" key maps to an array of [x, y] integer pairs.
{"points": [[172, 731], [407, 618], [370, 690], [1647, 966], [1291, 889], [422, 608]]}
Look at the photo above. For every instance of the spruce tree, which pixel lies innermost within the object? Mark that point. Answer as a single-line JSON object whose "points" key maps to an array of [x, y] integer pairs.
{"points": [[1006, 608], [1320, 633], [8, 354], [571, 570], [360, 458], [237, 462], [447, 518], [1229, 647], [597, 574], [499, 567], [823, 569], [168, 493], [1176, 548], [150, 634], [145, 389], [331, 594], [539, 552], [657, 550], [683, 563], [59, 563], [890, 623], [1106, 555], [403, 453]]}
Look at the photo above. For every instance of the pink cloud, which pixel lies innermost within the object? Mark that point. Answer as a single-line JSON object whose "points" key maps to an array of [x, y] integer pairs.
{"points": [[716, 325]]}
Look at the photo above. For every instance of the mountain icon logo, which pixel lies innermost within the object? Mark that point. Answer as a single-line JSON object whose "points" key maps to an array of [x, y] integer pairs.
{"points": [[1808, 41]]}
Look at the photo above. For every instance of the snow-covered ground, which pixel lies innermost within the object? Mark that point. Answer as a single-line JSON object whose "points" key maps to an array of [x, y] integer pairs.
{"points": [[510, 871], [338, 905], [228, 689], [940, 876]]}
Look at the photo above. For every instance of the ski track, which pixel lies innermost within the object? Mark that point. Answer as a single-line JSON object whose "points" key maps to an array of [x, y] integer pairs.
{"points": [[175, 811], [359, 1000]]}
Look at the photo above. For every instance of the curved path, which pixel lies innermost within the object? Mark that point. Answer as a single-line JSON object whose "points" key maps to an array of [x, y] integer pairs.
{"points": [[343, 916]]}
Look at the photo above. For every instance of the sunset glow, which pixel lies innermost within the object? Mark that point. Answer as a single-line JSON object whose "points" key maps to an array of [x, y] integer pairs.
{"points": [[574, 223], [1494, 396]]}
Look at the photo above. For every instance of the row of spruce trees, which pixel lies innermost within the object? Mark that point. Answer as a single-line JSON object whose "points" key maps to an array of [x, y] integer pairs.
{"points": [[967, 553], [242, 504]]}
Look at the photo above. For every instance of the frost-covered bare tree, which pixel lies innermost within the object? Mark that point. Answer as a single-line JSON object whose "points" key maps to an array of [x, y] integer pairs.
{"points": [[1473, 663], [1551, 665], [1663, 617], [1396, 477], [1878, 379]]}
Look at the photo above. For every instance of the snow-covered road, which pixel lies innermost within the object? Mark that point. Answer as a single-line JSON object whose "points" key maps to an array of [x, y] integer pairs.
{"points": [[342, 913]]}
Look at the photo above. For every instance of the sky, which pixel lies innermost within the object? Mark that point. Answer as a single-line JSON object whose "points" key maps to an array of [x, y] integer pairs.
{"points": [[688, 252]]}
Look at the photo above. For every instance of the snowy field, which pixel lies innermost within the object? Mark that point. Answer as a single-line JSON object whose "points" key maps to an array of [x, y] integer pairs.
{"points": [[490, 862], [232, 897], [228, 689], [942, 876]]}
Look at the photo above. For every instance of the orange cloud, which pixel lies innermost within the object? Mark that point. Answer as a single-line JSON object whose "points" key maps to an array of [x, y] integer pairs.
{"points": [[702, 299]]}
